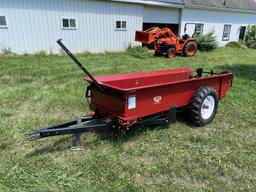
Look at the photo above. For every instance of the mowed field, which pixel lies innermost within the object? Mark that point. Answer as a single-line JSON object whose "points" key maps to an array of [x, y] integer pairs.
{"points": [[38, 91]]}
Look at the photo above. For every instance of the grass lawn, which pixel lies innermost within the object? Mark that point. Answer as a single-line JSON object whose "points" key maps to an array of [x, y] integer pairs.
{"points": [[39, 91]]}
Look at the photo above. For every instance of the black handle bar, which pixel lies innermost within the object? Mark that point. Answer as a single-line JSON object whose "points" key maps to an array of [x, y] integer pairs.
{"points": [[95, 82]]}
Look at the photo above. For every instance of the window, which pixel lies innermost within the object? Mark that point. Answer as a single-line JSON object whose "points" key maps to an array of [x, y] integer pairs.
{"points": [[3, 22], [121, 25], [199, 28], [226, 32], [68, 23]]}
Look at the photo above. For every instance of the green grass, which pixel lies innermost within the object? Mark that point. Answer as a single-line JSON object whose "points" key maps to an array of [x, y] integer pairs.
{"points": [[38, 91]]}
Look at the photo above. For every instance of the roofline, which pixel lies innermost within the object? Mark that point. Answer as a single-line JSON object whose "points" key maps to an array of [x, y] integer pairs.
{"points": [[153, 3], [219, 8], [182, 6]]}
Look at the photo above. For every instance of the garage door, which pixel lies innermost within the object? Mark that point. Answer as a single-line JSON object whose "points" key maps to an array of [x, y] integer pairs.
{"points": [[160, 15]]}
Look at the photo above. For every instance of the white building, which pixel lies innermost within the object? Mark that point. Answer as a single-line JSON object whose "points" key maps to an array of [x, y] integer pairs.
{"points": [[27, 26], [227, 18]]}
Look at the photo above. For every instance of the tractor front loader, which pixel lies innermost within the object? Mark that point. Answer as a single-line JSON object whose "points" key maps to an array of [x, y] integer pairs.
{"points": [[165, 42]]}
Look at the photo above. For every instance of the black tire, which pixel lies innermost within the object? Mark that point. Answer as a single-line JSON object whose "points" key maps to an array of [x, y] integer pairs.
{"points": [[158, 53], [171, 53], [186, 50], [196, 103]]}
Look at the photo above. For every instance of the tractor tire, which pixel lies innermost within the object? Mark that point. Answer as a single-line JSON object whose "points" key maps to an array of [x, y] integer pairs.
{"points": [[203, 106], [171, 53], [190, 49]]}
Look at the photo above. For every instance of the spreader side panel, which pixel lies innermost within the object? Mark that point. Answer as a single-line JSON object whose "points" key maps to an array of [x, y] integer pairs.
{"points": [[155, 100]]}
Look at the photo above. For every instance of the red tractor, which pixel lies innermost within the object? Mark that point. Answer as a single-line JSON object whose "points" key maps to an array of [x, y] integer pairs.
{"points": [[164, 41]]}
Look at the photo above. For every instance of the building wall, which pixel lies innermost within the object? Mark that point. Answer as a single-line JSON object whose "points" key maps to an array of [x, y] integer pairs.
{"points": [[215, 21], [35, 25], [160, 15]]}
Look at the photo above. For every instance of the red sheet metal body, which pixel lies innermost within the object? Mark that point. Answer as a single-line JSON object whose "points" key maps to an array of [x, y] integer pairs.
{"points": [[137, 95]]}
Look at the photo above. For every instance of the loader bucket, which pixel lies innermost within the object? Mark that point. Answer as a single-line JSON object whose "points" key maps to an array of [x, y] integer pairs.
{"points": [[148, 36]]}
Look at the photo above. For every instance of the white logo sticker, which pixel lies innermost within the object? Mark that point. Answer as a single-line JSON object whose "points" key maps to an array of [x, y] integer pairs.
{"points": [[132, 102], [157, 99]]}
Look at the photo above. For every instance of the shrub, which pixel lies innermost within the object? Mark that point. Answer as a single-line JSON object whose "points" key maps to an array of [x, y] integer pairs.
{"points": [[243, 46], [6, 51], [250, 38], [207, 42], [61, 52], [82, 53], [234, 44], [139, 52], [40, 53]]}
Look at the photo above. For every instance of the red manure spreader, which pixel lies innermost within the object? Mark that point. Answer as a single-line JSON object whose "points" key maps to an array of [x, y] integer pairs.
{"points": [[164, 41], [147, 98]]}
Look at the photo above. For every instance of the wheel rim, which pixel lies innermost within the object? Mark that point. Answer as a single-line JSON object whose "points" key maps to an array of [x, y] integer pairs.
{"points": [[171, 54], [191, 50], [207, 107]]}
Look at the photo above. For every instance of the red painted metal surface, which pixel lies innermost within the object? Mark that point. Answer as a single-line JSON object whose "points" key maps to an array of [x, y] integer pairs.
{"points": [[148, 93]]}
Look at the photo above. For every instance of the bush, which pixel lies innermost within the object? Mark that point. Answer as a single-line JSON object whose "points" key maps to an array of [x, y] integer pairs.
{"points": [[6, 51], [81, 53], [139, 52], [250, 38], [41, 53], [207, 42], [234, 44]]}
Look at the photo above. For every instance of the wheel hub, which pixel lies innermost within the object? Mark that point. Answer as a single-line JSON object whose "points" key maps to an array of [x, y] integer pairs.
{"points": [[191, 50], [207, 107]]}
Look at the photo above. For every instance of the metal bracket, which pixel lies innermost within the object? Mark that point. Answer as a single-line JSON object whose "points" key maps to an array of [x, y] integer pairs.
{"points": [[199, 72], [168, 117], [172, 115], [76, 143]]}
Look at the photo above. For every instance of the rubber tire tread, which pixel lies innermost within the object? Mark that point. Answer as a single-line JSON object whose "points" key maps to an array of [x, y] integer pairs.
{"points": [[171, 49], [194, 109], [186, 47]]}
